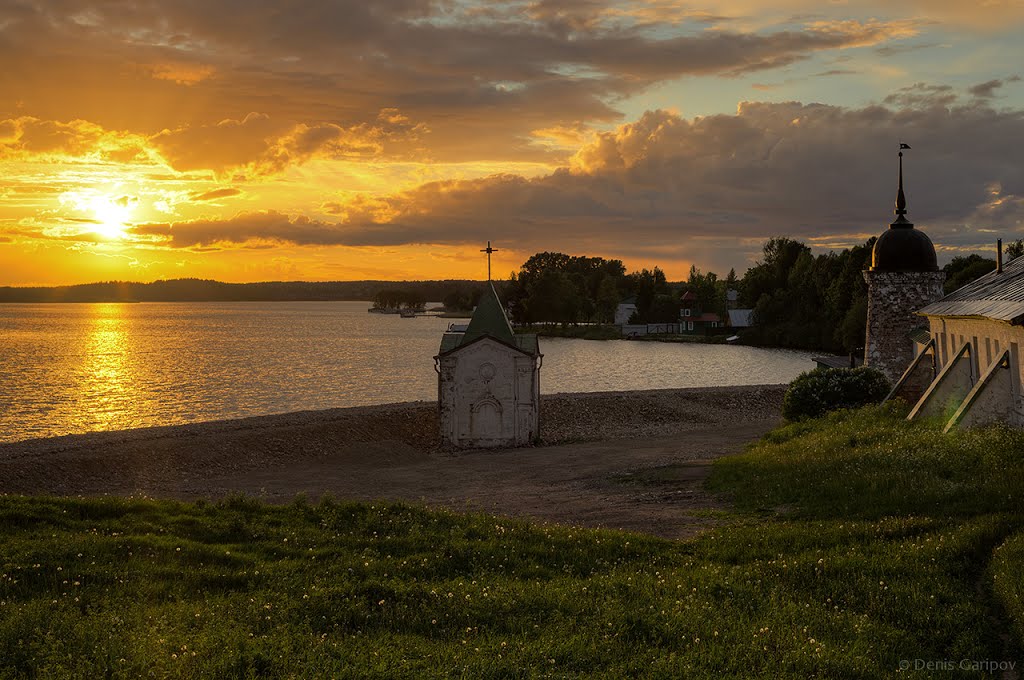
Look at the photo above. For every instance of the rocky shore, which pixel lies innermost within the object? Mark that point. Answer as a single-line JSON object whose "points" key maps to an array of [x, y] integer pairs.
{"points": [[373, 451]]}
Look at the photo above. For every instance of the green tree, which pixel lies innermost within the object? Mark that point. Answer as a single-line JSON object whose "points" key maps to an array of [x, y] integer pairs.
{"points": [[852, 331], [1014, 249], [664, 308], [807, 301], [962, 270], [584, 276], [645, 285], [608, 297], [705, 286], [553, 297], [771, 273]]}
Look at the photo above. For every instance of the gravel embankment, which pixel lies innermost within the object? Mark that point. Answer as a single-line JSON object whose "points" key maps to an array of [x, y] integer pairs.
{"points": [[654, 413], [371, 435]]}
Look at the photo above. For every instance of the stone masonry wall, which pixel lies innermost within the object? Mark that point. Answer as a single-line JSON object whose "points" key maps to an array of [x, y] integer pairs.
{"points": [[893, 299]]}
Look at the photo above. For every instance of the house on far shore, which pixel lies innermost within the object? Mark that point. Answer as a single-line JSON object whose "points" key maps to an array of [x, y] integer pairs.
{"points": [[693, 320], [732, 298], [625, 310]]}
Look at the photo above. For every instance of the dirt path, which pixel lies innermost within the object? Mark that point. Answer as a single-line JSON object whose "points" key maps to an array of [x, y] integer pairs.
{"points": [[650, 485], [644, 471]]}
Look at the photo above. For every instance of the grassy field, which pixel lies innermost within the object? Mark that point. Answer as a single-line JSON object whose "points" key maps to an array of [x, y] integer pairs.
{"points": [[859, 542]]}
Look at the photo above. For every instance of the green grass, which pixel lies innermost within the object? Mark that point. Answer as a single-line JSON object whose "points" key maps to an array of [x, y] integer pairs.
{"points": [[860, 540]]}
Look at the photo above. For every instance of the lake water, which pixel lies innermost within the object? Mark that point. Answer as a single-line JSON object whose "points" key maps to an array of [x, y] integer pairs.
{"points": [[70, 368]]}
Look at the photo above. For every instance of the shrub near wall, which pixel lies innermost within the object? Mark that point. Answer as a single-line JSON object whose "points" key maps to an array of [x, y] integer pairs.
{"points": [[817, 392]]}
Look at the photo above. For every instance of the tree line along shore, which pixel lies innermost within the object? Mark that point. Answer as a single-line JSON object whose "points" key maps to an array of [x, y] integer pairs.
{"points": [[799, 299]]}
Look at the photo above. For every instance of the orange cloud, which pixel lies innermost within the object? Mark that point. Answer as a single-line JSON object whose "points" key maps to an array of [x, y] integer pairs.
{"points": [[182, 73], [260, 145], [27, 137], [214, 194]]}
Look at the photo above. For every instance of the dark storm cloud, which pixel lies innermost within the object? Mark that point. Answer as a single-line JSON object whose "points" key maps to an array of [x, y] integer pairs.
{"points": [[246, 227], [805, 170]]}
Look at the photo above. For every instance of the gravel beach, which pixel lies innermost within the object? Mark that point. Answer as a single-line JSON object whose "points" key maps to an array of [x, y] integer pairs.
{"points": [[592, 442]]}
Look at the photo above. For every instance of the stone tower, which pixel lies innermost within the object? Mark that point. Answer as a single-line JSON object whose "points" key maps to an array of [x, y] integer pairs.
{"points": [[904, 277]]}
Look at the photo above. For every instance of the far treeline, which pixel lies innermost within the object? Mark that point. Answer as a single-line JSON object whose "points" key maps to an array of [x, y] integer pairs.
{"points": [[464, 293], [799, 300]]}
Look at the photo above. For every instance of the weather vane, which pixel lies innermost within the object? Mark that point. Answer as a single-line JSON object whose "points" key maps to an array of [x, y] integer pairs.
{"points": [[901, 198], [489, 250]]}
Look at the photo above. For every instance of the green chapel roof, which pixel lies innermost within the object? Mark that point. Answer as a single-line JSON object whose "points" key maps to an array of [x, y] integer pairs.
{"points": [[489, 319]]}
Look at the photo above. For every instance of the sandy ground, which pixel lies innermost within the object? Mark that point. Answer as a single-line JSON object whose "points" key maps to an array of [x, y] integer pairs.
{"points": [[626, 460]]}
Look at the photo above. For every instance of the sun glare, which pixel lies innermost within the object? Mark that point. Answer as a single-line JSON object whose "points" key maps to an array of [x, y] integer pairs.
{"points": [[111, 215]]}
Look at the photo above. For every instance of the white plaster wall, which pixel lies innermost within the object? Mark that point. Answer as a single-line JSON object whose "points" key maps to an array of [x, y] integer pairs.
{"points": [[988, 339], [488, 396], [623, 312]]}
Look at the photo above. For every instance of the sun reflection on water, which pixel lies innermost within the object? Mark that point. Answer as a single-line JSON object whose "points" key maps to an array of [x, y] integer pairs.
{"points": [[107, 376]]}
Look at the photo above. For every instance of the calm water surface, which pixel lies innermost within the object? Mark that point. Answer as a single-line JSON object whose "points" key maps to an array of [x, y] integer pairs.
{"points": [[69, 368]]}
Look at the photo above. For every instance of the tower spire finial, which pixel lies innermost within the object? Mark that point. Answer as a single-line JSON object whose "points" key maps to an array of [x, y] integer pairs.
{"points": [[901, 198]]}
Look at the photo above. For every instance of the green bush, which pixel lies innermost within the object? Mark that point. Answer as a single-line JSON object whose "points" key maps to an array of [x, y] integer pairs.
{"points": [[817, 392]]}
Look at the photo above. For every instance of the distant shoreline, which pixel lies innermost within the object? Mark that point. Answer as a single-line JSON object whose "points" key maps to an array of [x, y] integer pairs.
{"points": [[206, 290]]}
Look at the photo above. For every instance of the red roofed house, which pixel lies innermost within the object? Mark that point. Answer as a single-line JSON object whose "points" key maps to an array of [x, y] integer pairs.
{"points": [[693, 320]]}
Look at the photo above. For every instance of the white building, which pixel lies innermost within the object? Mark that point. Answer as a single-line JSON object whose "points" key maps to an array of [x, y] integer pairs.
{"points": [[968, 370], [488, 386], [625, 311]]}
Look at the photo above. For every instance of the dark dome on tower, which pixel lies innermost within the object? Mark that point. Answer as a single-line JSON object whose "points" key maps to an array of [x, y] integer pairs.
{"points": [[902, 248]]}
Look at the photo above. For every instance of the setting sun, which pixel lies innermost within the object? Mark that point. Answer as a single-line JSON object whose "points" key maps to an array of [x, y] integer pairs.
{"points": [[111, 215]]}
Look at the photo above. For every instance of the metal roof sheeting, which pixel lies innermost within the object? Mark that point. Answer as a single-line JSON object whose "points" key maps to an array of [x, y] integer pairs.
{"points": [[489, 319], [525, 343], [996, 295]]}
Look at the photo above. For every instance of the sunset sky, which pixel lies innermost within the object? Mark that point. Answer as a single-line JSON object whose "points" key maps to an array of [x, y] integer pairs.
{"points": [[251, 140]]}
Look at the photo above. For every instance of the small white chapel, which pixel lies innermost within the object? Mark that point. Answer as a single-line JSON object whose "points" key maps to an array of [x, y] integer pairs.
{"points": [[488, 384]]}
